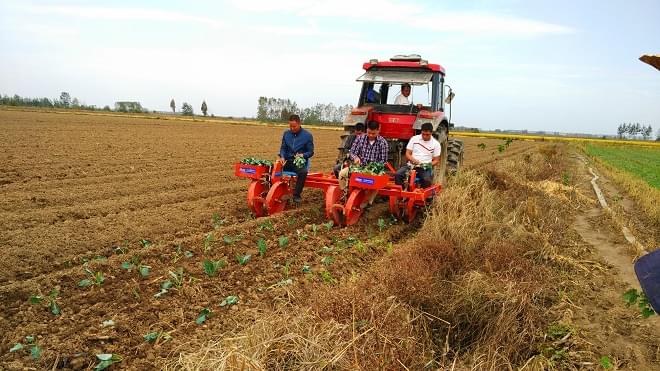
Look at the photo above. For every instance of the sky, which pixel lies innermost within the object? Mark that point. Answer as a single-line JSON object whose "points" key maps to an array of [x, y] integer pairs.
{"points": [[565, 66]]}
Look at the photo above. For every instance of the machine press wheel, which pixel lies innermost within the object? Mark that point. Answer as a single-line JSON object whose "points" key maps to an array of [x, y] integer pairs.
{"points": [[255, 198], [410, 211], [332, 196], [277, 197], [395, 208], [354, 206]]}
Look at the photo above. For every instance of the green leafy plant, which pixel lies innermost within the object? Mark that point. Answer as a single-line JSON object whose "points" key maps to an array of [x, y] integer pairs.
{"points": [[266, 226], [565, 178], [121, 249], [135, 262], [177, 277], [299, 161], [314, 228], [262, 246], [208, 241], [30, 345], [286, 269], [372, 168], [301, 235], [157, 336], [211, 266], [179, 253], [328, 226], [327, 277], [306, 269], [605, 362], [243, 259], [633, 296], [381, 224], [360, 246], [35, 299], [52, 301], [145, 243], [256, 161], [327, 260], [164, 288], [95, 278], [217, 221], [508, 141], [205, 314], [501, 148], [229, 301], [482, 146], [283, 241], [106, 360]]}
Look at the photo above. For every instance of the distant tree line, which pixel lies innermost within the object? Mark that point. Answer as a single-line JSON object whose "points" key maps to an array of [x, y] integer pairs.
{"points": [[630, 130], [67, 102], [64, 101], [278, 109]]}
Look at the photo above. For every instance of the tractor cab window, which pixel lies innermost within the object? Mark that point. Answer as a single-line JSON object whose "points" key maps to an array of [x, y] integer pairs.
{"points": [[382, 87], [419, 94]]}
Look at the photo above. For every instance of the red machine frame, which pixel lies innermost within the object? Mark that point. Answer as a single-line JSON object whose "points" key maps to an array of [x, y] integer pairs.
{"points": [[270, 189]]}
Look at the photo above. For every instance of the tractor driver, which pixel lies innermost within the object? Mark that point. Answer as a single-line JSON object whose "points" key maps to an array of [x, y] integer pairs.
{"points": [[421, 149], [296, 142], [366, 149], [403, 97]]}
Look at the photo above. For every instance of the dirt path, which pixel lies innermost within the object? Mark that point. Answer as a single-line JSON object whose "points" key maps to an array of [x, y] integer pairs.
{"points": [[616, 331]]}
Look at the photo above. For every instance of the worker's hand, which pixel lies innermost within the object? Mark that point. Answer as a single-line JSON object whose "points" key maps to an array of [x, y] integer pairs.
{"points": [[299, 155], [280, 160], [419, 105], [356, 161]]}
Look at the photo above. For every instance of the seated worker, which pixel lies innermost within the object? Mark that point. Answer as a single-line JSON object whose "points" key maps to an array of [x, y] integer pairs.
{"points": [[296, 142], [373, 96], [366, 149], [421, 149], [358, 130], [403, 97]]}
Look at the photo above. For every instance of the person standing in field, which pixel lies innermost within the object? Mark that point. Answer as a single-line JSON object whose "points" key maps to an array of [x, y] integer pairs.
{"points": [[421, 149], [365, 150], [296, 143]]}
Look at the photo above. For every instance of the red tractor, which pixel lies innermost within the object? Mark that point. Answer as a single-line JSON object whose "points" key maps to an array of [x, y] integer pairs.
{"points": [[271, 188], [381, 84]]}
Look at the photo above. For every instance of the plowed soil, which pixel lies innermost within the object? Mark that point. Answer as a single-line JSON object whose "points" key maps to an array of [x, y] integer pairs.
{"points": [[80, 192]]}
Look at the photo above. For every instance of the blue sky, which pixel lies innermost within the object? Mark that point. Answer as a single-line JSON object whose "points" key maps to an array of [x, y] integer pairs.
{"points": [[568, 66]]}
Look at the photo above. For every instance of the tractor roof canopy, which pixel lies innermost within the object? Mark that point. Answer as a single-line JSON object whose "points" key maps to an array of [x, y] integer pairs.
{"points": [[400, 77]]}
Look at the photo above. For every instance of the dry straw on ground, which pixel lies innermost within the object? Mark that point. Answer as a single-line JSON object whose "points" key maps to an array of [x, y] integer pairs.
{"points": [[475, 289]]}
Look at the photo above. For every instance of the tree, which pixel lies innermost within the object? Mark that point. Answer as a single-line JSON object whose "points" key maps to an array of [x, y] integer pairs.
{"points": [[621, 130], [646, 132], [173, 106], [186, 109], [657, 136], [204, 108], [65, 99]]}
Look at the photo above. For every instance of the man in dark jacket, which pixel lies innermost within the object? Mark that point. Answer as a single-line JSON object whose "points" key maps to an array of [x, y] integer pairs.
{"points": [[296, 143]]}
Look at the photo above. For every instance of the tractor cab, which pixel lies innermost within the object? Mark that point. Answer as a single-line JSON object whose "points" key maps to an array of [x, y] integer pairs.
{"points": [[382, 84]]}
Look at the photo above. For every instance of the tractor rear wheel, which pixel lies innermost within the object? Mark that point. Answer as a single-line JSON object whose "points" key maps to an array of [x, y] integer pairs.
{"points": [[454, 155]]}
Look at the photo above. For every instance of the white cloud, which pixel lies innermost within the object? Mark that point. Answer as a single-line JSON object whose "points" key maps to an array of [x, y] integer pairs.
{"points": [[123, 14], [407, 16]]}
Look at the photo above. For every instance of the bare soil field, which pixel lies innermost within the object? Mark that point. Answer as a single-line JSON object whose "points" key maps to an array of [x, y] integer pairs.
{"points": [[83, 194]]}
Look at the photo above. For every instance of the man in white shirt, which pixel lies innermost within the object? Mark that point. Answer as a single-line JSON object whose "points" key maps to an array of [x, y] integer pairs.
{"points": [[403, 97], [421, 149]]}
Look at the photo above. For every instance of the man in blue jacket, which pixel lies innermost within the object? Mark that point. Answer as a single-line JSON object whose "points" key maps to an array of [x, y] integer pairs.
{"points": [[296, 142]]}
